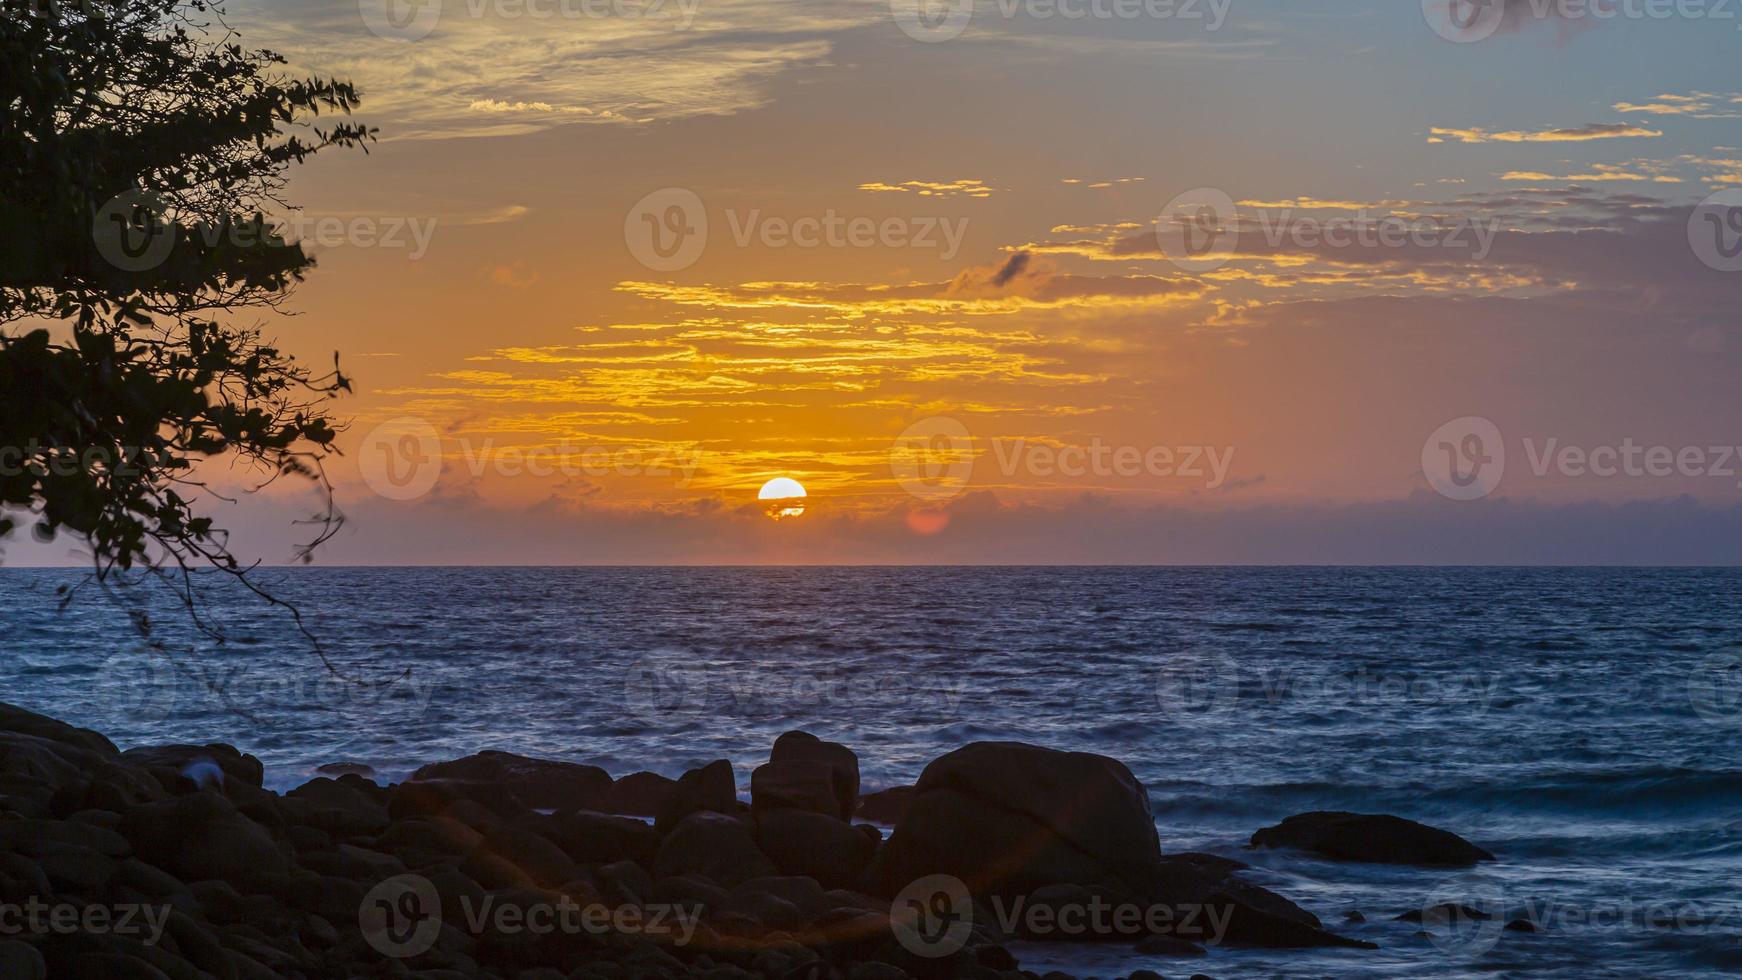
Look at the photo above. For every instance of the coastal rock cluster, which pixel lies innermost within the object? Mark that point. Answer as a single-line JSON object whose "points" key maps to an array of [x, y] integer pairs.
{"points": [[444, 875]]}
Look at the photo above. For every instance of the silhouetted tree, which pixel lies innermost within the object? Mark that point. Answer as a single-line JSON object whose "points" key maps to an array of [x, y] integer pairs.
{"points": [[140, 146]]}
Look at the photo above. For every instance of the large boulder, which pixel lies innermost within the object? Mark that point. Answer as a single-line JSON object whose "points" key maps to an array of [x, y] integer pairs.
{"points": [[886, 806], [601, 838], [815, 845], [795, 785], [711, 788], [201, 764], [714, 846], [1008, 818], [341, 807], [50, 768], [539, 783], [21, 722], [639, 794], [1373, 839], [797, 750], [202, 836], [428, 797]]}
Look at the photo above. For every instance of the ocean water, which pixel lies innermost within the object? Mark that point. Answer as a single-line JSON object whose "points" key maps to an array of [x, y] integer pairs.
{"points": [[1585, 725]]}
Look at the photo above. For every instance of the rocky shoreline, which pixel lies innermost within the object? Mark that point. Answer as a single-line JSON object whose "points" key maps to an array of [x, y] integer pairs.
{"points": [[173, 862]]}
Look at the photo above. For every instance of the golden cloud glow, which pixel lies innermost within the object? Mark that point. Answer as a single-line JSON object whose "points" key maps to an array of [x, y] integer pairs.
{"points": [[1581, 134], [967, 187]]}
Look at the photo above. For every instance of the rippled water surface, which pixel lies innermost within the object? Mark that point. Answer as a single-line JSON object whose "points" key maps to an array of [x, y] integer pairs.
{"points": [[1582, 724]]}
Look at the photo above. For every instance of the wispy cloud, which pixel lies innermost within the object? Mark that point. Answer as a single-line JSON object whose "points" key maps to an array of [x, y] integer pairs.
{"points": [[966, 187], [483, 72], [1695, 105], [1576, 134]]}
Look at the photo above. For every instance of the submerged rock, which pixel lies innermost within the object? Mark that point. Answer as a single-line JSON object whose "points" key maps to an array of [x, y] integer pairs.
{"points": [[1372, 838]]}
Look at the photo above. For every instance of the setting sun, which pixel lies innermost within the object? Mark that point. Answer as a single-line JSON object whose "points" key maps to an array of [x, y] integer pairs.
{"points": [[783, 497]]}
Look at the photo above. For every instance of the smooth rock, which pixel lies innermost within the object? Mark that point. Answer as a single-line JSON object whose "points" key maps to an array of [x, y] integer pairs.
{"points": [[795, 785], [186, 761], [639, 794], [542, 784], [202, 836], [601, 838], [886, 806], [814, 845], [336, 807], [1008, 818], [1372, 838], [715, 846], [427, 797], [803, 747], [337, 769], [21, 961], [710, 788]]}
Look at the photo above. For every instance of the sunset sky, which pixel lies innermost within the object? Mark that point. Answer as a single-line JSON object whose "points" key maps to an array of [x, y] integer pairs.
{"points": [[998, 274]]}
